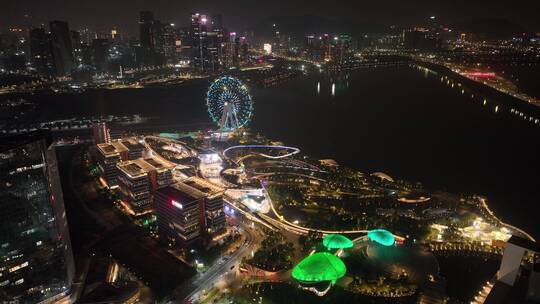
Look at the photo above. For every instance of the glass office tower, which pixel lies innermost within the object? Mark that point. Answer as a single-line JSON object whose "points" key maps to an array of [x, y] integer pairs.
{"points": [[36, 262]]}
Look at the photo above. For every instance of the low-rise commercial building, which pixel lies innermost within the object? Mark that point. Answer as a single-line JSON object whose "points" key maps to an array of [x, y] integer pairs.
{"points": [[138, 179], [134, 186], [101, 133], [111, 153], [161, 176], [178, 211], [186, 210], [214, 216], [135, 148]]}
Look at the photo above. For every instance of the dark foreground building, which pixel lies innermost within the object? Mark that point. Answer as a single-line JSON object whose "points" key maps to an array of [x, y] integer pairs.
{"points": [[518, 278], [36, 262]]}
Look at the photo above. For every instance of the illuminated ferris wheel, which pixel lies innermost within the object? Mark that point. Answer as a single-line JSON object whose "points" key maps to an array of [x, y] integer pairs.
{"points": [[229, 103]]}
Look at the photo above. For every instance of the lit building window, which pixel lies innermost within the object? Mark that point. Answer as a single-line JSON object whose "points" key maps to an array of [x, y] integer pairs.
{"points": [[15, 268]]}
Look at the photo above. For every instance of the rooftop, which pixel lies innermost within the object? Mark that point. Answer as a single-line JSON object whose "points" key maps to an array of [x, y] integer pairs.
{"points": [[135, 168], [132, 144], [188, 191], [110, 149], [193, 188], [140, 166], [157, 164], [131, 168], [203, 186]]}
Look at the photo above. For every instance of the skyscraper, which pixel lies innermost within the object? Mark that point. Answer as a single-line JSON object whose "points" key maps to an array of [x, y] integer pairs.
{"points": [[199, 41], [217, 22], [76, 43], [218, 43], [101, 133], [36, 262], [147, 37], [213, 51], [167, 42], [39, 50], [229, 55], [420, 38], [231, 49], [62, 49], [100, 51]]}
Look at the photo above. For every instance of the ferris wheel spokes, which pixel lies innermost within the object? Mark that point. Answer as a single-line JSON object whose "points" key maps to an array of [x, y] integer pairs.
{"points": [[229, 104], [229, 119]]}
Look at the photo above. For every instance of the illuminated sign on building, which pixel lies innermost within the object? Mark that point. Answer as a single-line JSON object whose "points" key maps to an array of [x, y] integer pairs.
{"points": [[177, 204]]}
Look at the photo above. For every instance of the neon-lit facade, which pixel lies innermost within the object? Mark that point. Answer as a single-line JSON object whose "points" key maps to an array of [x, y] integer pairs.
{"points": [[337, 241], [319, 267], [382, 237]]}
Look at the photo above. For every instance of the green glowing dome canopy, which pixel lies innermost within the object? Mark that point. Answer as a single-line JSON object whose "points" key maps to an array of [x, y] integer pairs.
{"points": [[337, 241], [382, 237], [319, 267]]}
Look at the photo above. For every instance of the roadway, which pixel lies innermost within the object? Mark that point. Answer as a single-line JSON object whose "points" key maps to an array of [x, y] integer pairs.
{"points": [[204, 282], [485, 206], [207, 280]]}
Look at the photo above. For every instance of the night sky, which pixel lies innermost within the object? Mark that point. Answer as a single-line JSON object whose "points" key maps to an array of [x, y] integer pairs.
{"points": [[241, 14]]}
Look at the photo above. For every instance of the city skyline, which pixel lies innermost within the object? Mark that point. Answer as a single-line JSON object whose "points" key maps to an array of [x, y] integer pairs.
{"points": [[227, 152], [243, 15]]}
